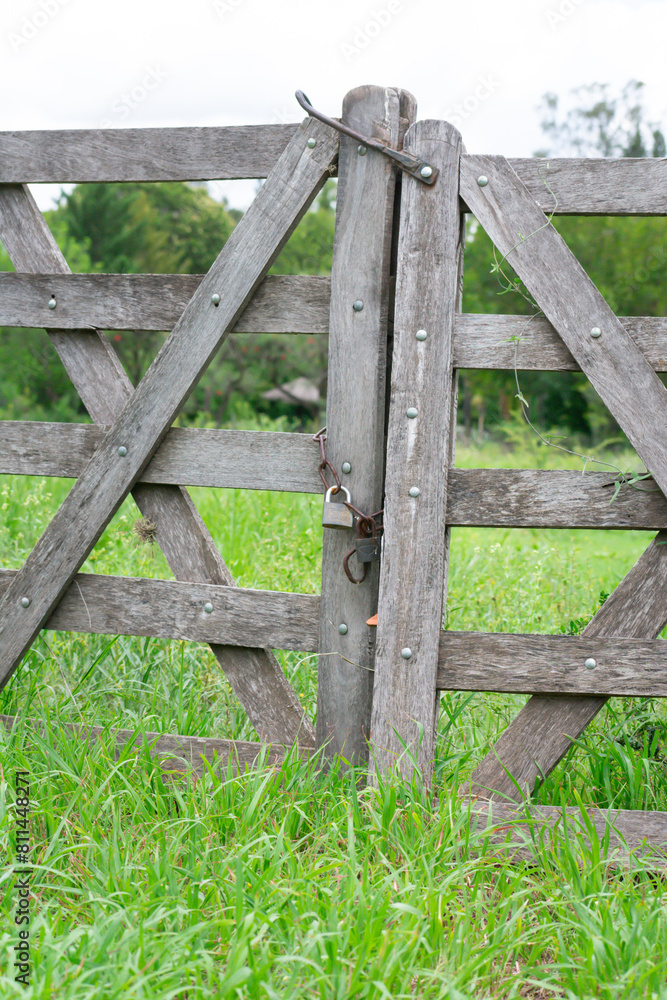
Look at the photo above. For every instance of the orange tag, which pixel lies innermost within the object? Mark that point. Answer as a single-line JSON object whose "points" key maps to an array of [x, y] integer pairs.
{"points": [[373, 621]]}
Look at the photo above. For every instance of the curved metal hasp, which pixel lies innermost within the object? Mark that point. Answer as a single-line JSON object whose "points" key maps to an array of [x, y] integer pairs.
{"points": [[418, 168], [337, 515]]}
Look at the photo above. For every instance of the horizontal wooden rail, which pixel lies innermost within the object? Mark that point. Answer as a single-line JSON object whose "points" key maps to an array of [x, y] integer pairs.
{"points": [[284, 304], [265, 460], [141, 154], [167, 609], [574, 186], [176, 753], [621, 186], [552, 664], [281, 304]]}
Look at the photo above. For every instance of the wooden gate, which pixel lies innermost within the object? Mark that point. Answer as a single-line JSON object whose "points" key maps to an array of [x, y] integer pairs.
{"points": [[392, 374]]}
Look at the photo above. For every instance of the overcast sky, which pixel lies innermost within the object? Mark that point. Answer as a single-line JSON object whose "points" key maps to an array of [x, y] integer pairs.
{"points": [[83, 63]]}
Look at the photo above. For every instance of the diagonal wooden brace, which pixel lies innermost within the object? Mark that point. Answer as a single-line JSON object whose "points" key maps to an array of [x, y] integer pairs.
{"points": [[541, 734], [243, 262]]}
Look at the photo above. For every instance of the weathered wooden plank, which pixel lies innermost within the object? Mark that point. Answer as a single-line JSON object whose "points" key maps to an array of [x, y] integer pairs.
{"points": [[615, 366], [282, 303], [355, 412], [176, 753], [142, 154], [167, 609], [620, 186], [636, 833], [97, 494], [485, 341], [255, 675], [552, 664], [542, 732], [413, 573]]}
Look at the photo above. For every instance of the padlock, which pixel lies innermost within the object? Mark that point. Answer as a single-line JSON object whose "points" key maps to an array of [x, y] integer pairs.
{"points": [[337, 515], [368, 549]]}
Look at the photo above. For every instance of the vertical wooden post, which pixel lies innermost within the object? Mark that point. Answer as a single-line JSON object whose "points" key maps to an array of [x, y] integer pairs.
{"points": [[356, 412], [421, 427]]}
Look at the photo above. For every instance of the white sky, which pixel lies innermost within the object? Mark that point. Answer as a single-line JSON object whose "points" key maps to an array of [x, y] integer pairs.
{"points": [[74, 64]]}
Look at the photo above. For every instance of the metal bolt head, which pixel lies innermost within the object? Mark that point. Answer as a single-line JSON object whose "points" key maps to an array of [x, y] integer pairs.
{"points": [[406, 652], [346, 467], [414, 491], [358, 306], [482, 181], [421, 335], [342, 628], [215, 299], [361, 150], [208, 607], [25, 602], [411, 412], [122, 451], [590, 663], [311, 143], [596, 332], [52, 303], [426, 171]]}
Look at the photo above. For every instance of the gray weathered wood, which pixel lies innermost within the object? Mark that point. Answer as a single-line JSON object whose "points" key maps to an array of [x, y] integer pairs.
{"points": [[631, 832], [282, 303], [484, 341], [255, 675], [613, 363], [620, 186], [551, 664], [97, 494], [167, 609], [357, 373], [142, 154], [542, 732], [413, 570], [249, 460], [175, 753]]}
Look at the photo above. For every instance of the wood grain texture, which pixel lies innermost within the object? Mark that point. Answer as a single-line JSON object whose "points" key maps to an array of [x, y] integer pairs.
{"points": [[631, 833], [255, 675], [542, 733], [552, 664], [282, 303], [355, 414], [253, 460], [142, 154], [620, 186], [166, 609], [418, 454], [613, 363], [484, 341], [243, 262], [174, 753]]}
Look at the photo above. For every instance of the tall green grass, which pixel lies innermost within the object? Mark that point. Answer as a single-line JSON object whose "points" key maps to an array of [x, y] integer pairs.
{"points": [[291, 881]]}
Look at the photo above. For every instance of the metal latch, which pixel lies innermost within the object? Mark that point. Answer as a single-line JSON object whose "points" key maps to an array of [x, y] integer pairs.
{"points": [[423, 171]]}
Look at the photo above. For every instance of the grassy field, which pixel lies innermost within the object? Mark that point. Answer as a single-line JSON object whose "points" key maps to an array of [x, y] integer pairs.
{"points": [[294, 882]]}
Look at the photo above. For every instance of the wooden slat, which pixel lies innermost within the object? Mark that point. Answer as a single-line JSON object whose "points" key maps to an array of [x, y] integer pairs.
{"points": [[542, 733], [97, 494], [620, 186], [613, 363], [141, 154], [281, 304], [355, 412], [176, 753], [483, 341], [636, 833], [255, 675], [414, 566], [167, 609], [552, 664]]}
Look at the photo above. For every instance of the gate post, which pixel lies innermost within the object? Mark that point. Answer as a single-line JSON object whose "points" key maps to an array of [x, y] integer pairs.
{"points": [[360, 282]]}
